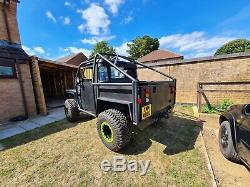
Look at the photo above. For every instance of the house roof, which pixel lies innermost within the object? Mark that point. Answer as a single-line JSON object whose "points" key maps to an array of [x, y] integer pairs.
{"points": [[12, 51], [55, 63], [74, 59], [158, 55], [67, 58]]}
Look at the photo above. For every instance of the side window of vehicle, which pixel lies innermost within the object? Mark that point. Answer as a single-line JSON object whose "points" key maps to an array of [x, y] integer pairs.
{"points": [[103, 74], [115, 74], [86, 73]]}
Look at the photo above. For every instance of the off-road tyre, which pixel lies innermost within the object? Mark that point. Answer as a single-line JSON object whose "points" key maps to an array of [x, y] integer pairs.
{"points": [[226, 142], [113, 129], [71, 110]]}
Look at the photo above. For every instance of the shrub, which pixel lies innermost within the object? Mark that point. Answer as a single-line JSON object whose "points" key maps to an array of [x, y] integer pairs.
{"points": [[225, 104], [206, 109]]}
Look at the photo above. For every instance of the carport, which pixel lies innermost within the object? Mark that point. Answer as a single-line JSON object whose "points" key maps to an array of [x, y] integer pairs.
{"points": [[50, 81]]}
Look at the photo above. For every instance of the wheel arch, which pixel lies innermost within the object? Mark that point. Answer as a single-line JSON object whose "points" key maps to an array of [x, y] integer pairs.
{"points": [[231, 119], [125, 107]]}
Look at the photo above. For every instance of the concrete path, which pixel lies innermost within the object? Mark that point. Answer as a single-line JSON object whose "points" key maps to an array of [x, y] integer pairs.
{"points": [[227, 173], [14, 128]]}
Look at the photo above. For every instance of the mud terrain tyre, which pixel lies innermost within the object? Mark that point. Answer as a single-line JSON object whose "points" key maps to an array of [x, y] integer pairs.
{"points": [[71, 110], [226, 142], [113, 129]]}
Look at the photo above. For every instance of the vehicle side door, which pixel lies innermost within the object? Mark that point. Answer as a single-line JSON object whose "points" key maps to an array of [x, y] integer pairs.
{"points": [[85, 86], [244, 134]]}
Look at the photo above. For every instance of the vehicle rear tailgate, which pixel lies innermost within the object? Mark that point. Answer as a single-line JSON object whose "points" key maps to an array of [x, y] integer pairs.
{"points": [[156, 97]]}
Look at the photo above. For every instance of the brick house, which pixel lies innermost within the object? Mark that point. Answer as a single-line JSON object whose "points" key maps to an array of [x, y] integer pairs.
{"points": [[16, 90], [28, 85]]}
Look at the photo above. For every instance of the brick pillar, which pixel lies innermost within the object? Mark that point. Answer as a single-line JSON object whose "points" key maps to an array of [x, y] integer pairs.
{"points": [[8, 21]]}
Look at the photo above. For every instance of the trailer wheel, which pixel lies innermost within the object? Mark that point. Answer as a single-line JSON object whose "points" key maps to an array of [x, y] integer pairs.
{"points": [[226, 142], [71, 110], [113, 129]]}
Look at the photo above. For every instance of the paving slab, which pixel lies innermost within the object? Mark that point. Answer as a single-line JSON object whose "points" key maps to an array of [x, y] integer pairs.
{"points": [[11, 132], [28, 125], [57, 114], [13, 128], [42, 120]]}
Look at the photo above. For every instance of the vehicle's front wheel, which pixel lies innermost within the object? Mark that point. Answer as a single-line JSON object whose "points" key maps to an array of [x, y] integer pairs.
{"points": [[113, 129], [226, 142], [71, 110]]}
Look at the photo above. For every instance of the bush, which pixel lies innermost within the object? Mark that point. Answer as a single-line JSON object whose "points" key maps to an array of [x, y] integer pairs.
{"points": [[206, 109], [225, 104], [235, 46]]}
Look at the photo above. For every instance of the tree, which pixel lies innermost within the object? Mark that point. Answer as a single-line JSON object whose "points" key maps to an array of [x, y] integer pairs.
{"points": [[235, 46], [142, 46], [102, 47]]}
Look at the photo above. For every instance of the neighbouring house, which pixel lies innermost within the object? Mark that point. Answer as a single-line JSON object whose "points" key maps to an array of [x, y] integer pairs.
{"points": [[29, 85], [160, 56], [16, 90], [73, 59]]}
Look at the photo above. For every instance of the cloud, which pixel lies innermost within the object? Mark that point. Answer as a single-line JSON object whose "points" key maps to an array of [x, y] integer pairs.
{"points": [[66, 21], [97, 21], [195, 42], [81, 28], [122, 49], [34, 51], [51, 16], [96, 39], [127, 19], [66, 3], [114, 5], [71, 50]]}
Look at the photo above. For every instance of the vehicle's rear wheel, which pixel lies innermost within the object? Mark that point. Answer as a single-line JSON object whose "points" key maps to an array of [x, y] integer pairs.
{"points": [[226, 142], [71, 110], [113, 129]]}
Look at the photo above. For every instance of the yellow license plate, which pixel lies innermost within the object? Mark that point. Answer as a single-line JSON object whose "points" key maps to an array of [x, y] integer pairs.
{"points": [[146, 111]]}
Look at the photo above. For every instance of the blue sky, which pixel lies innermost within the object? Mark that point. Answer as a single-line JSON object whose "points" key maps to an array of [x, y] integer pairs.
{"points": [[52, 29]]}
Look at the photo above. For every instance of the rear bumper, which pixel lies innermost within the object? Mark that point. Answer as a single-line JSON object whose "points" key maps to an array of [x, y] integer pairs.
{"points": [[164, 113]]}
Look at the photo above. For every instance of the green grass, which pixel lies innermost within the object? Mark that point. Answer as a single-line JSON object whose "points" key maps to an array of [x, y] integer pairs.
{"points": [[69, 154]]}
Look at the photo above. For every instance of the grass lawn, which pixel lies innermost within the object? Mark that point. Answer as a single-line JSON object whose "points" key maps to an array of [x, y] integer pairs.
{"points": [[69, 154]]}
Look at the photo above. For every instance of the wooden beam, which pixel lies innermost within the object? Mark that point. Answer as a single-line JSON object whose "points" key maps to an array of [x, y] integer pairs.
{"points": [[65, 81], [55, 85], [39, 86]]}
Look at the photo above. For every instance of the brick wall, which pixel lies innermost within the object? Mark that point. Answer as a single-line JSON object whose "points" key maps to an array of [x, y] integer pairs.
{"points": [[11, 104], [11, 22], [211, 69]]}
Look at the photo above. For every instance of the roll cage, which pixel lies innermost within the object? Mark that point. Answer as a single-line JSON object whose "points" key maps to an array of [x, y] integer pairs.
{"points": [[114, 61]]}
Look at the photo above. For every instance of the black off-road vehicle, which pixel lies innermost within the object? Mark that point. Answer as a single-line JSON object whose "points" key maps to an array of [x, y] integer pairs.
{"points": [[234, 133], [107, 87]]}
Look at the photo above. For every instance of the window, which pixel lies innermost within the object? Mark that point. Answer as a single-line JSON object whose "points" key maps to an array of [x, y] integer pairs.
{"points": [[103, 73], [86, 73], [115, 74], [7, 71]]}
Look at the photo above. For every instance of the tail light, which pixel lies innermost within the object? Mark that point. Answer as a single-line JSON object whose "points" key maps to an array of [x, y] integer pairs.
{"points": [[139, 101], [172, 89], [146, 92]]}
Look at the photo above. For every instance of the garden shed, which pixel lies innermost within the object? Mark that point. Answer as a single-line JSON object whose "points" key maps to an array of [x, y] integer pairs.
{"points": [[50, 81]]}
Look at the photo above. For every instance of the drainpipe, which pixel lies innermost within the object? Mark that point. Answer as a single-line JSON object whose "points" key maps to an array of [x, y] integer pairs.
{"points": [[6, 21], [19, 76]]}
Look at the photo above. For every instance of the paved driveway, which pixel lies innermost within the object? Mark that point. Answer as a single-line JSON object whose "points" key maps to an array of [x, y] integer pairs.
{"points": [[226, 172], [14, 128]]}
